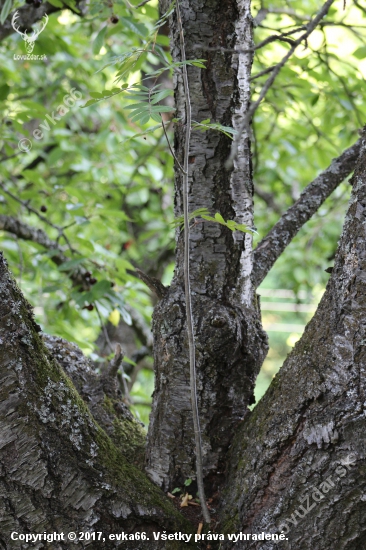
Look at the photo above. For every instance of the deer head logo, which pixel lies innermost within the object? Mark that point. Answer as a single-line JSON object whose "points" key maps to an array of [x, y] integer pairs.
{"points": [[29, 40]]}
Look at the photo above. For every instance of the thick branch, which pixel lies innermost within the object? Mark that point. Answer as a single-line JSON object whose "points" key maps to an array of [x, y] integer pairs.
{"points": [[28, 233], [153, 283], [313, 196], [297, 461]]}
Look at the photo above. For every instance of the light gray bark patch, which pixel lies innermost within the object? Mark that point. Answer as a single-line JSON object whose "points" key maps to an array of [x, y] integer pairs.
{"points": [[106, 407], [321, 434]]}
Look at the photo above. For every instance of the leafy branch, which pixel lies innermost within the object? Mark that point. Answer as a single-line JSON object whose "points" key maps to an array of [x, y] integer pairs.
{"points": [[217, 218], [206, 124], [200, 63], [145, 106]]}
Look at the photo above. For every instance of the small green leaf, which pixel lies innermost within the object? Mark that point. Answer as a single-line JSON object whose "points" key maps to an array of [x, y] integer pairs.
{"points": [[100, 289], [83, 243], [163, 109], [137, 106], [219, 218], [99, 40], [140, 134], [90, 102], [6, 10], [244, 228], [109, 93], [200, 212], [129, 361], [161, 95], [56, 3], [137, 28], [122, 265], [231, 225], [204, 126], [208, 218], [360, 53], [145, 119], [156, 117], [199, 64]]}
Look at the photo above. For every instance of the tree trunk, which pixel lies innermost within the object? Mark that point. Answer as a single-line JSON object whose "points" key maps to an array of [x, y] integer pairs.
{"points": [[297, 464], [59, 470], [230, 343], [70, 452]]}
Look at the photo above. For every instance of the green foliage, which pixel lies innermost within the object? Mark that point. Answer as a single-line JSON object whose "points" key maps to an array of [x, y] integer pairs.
{"points": [[200, 63], [203, 213], [6, 9], [145, 103], [99, 181], [100, 198], [310, 115], [205, 125], [179, 221], [230, 224]]}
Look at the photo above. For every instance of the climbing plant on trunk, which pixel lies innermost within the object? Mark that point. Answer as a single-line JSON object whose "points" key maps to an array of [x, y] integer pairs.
{"points": [[72, 455], [230, 343]]}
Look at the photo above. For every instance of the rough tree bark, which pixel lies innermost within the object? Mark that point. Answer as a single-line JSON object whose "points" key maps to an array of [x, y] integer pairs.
{"points": [[59, 470], [70, 452], [298, 463], [230, 341]]}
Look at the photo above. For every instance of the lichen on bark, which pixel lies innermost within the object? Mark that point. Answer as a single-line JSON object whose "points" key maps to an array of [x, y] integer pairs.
{"points": [[59, 469]]}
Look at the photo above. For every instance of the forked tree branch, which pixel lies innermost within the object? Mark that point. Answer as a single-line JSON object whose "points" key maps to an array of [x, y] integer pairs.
{"points": [[313, 196], [310, 27]]}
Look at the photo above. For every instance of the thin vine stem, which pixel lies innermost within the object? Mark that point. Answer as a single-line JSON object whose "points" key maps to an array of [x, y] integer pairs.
{"points": [[187, 287], [170, 147]]}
